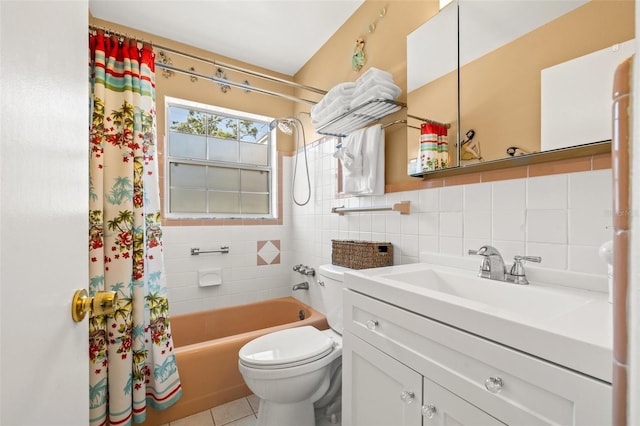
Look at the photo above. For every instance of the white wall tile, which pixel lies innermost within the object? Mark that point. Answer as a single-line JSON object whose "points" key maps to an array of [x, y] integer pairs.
{"points": [[451, 245], [477, 197], [508, 225], [451, 224], [429, 223], [586, 259], [554, 256], [590, 190], [547, 192], [509, 195], [591, 227], [477, 224], [430, 200], [547, 226], [451, 198]]}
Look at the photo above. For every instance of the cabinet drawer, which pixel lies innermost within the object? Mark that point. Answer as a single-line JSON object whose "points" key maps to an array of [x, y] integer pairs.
{"points": [[532, 391]]}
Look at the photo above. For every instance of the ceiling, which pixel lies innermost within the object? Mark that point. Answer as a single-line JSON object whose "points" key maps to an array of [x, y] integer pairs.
{"points": [[279, 35]]}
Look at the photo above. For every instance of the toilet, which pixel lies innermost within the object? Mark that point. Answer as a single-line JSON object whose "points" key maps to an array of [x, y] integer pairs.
{"points": [[297, 372]]}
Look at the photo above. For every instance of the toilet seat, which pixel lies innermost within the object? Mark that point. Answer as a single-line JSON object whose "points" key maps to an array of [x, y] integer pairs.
{"points": [[286, 348]]}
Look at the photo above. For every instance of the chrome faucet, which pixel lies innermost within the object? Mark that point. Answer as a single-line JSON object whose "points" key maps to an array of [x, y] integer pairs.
{"points": [[493, 268], [301, 286]]}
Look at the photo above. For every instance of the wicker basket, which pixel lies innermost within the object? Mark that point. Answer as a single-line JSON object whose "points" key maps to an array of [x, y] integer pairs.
{"points": [[361, 254]]}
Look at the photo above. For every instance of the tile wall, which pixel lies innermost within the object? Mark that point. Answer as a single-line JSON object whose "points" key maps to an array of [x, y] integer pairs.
{"points": [[562, 217]]}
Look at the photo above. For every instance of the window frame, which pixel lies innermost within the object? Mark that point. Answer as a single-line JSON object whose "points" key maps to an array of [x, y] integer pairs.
{"points": [[271, 168]]}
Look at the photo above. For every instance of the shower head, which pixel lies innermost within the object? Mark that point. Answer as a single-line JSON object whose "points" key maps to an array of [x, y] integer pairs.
{"points": [[285, 124]]}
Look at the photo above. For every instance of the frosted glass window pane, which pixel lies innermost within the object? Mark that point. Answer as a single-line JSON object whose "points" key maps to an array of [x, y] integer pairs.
{"points": [[223, 202], [253, 131], [254, 181], [188, 176], [223, 127], [187, 121], [255, 203], [188, 201], [187, 146], [252, 153], [223, 179], [223, 150]]}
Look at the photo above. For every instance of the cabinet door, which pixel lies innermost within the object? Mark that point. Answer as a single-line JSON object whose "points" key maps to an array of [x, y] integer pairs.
{"points": [[377, 389], [443, 408]]}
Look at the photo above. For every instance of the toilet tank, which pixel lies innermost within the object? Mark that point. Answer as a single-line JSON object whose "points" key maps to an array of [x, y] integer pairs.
{"points": [[330, 280]]}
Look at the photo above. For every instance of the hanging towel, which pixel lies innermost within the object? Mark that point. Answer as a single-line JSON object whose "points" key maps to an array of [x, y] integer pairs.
{"points": [[373, 161], [350, 154], [362, 157]]}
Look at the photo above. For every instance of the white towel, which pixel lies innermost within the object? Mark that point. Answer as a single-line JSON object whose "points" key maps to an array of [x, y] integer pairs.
{"points": [[335, 100], [352, 162], [374, 72], [373, 161], [374, 93], [323, 115], [362, 157]]}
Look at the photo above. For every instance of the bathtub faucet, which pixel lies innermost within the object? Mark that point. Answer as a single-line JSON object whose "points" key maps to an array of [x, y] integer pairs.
{"points": [[301, 286]]}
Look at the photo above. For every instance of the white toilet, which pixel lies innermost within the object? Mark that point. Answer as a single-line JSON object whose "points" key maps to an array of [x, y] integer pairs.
{"points": [[297, 372]]}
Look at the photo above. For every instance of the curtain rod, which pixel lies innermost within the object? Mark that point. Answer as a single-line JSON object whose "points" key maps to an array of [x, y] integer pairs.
{"points": [[233, 83], [426, 120], [218, 64]]}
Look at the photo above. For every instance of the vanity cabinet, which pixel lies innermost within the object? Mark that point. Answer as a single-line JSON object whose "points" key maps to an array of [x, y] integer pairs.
{"points": [[401, 368]]}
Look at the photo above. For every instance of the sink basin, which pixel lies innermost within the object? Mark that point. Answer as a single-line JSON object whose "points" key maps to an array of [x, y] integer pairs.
{"points": [[532, 301]]}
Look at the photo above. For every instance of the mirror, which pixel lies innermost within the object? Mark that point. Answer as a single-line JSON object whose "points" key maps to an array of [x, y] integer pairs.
{"points": [[534, 76]]}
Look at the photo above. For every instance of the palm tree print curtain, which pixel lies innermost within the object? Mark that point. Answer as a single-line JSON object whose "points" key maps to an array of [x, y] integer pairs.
{"points": [[132, 364]]}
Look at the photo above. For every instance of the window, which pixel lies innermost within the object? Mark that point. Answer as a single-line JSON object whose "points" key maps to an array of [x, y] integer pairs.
{"points": [[219, 163]]}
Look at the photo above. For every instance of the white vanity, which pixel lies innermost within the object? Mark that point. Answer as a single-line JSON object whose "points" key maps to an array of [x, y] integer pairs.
{"points": [[431, 343]]}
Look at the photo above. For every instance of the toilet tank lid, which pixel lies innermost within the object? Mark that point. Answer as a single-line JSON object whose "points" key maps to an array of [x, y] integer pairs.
{"points": [[333, 271]]}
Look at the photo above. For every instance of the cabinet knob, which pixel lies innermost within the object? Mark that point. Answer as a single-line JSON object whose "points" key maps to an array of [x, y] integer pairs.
{"points": [[407, 397], [429, 411], [372, 324], [494, 384]]}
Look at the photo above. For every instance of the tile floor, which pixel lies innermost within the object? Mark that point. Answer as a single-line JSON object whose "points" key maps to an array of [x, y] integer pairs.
{"points": [[241, 412]]}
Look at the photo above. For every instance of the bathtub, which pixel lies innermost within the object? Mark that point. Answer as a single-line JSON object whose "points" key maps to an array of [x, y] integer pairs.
{"points": [[206, 348]]}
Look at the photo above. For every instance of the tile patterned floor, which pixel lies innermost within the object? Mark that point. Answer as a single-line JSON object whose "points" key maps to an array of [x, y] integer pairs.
{"points": [[241, 412]]}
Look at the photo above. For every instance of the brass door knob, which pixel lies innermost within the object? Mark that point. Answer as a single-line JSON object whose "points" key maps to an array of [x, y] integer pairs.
{"points": [[103, 303]]}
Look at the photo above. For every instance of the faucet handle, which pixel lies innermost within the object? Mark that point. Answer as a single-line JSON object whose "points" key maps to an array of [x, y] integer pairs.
{"points": [[517, 273], [519, 258]]}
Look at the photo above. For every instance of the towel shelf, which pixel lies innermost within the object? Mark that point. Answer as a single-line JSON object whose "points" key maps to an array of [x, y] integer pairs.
{"points": [[359, 117], [404, 207]]}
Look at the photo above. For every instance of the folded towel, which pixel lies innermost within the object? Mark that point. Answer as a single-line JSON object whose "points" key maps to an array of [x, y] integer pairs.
{"points": [[341, 93], [373, 93], [374, 83], [374, 73], [324, 115]]}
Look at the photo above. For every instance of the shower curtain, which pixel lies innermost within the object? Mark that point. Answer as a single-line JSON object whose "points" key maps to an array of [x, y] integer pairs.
{"points": [[434, 148], [132, 364]]}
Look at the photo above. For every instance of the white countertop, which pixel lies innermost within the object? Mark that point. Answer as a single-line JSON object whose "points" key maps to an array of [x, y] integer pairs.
{"points": [[565, 325]]}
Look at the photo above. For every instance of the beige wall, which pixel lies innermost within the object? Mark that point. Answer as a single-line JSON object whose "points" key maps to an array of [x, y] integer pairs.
{"points": [[386, 49]]}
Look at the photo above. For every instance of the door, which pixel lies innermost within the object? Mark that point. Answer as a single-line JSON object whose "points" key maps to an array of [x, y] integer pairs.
{"points": [[43, 212], [377, 389]]}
